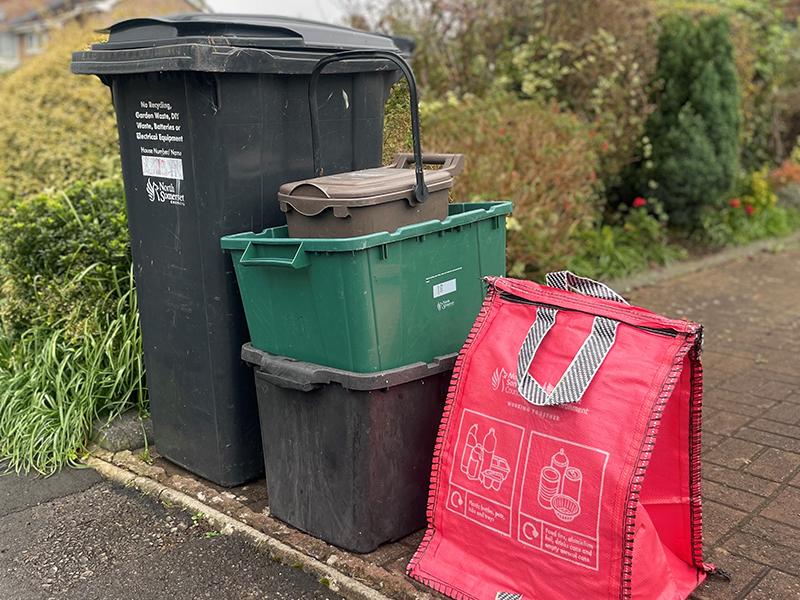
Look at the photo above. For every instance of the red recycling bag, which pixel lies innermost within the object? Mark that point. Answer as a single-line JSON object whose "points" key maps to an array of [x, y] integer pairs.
{"points": [[568, 459]]}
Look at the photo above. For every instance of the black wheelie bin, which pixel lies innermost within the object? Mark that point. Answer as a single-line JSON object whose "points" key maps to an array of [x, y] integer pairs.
{"points": [[213, 116]]}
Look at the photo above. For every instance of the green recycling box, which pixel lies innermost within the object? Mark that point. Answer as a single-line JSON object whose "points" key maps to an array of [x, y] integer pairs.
{"points": [[374, 302]]}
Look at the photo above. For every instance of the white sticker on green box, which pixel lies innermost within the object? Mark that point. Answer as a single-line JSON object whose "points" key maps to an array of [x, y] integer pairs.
{"points": [[444, 288]]}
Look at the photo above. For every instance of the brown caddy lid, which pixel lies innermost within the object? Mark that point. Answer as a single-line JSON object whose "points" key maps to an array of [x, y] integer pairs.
{"points": [[368, 186]]}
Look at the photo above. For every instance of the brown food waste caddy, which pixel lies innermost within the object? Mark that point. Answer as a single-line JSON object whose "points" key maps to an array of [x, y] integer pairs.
{"points": [[367, 201], [371, 200]]}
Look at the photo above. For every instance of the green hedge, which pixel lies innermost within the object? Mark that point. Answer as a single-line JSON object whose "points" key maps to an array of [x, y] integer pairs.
{"points": [[540, 157], [70, 345], [55, 127], [61, 253]]}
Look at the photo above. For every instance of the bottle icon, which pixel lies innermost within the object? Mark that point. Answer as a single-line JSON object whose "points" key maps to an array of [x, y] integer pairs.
{"points": [[474, 464], [489, 445], [472, 441], [560, 461], [480, 461]]}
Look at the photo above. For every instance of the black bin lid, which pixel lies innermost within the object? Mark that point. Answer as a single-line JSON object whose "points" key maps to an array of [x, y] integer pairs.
{"points": [[259, 31], [226, 43]]}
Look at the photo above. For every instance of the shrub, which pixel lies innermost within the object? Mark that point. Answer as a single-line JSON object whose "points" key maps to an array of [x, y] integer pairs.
{"points": [[459, 44], [633, 239], [55, 382], [751, 215], [70, 346], [55, 127], [732, 226], [61, 253], [594, 59], [788, 173], [785, 180], [789, 98], [762, 36], [763, 50], [397, 122], [693, 135], [541, 158], [756, 191]]}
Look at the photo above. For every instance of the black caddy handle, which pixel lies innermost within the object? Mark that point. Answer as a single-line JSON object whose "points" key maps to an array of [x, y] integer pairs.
{"points": [[420, 190]]}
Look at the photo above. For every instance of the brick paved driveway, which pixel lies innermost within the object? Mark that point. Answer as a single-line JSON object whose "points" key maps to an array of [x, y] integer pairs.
{"points": [[751, 418]]}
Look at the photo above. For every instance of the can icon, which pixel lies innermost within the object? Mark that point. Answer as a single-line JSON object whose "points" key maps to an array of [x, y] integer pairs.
{"points": [[573, 480], [549, 483]]}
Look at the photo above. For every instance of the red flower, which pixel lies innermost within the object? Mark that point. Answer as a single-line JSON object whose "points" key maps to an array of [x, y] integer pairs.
{"points": [[749, 209], [735, 203], [501, 130], [639, 202], [604, 146]]}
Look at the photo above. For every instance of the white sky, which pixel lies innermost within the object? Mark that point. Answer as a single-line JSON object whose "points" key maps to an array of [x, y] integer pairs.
{"points": [[328, 11]]}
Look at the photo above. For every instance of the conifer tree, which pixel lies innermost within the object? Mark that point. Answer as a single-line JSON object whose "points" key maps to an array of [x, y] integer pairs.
{"points": [[694, 131]]}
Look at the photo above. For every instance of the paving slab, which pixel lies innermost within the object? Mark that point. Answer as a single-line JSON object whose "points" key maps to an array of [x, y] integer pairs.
{"points": [[776, 586], [751, 309]]}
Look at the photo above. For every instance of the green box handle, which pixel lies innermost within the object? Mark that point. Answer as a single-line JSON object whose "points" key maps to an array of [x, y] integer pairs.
{"points": [[296, 259]]}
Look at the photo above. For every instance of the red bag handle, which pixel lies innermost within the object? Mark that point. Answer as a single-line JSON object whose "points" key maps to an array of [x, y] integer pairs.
{"points": [[569, 282], [580, 373], [576, 379]]}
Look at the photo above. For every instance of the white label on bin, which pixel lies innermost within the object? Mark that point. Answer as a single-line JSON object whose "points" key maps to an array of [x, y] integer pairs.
{"points": [[166, 168], [159, 133], [444, 288]]}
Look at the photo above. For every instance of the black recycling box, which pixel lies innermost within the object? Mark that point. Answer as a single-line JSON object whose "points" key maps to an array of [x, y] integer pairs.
{"points": [[348, 455], [213, 116]]}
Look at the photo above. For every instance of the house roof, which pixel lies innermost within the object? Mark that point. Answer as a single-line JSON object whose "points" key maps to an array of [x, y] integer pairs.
{"points": [[44, 6], [16, 9], [17, 12]]}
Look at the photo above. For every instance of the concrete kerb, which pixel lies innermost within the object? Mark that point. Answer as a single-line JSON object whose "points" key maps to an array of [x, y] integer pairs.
{"points": [[679, 269], [338, 582]]}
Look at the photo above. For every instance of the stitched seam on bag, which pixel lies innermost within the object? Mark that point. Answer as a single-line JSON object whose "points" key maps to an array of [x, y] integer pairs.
{"points": [[685, 327], [669, 378], [695, 449], [643, 460], [464, 356]]}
